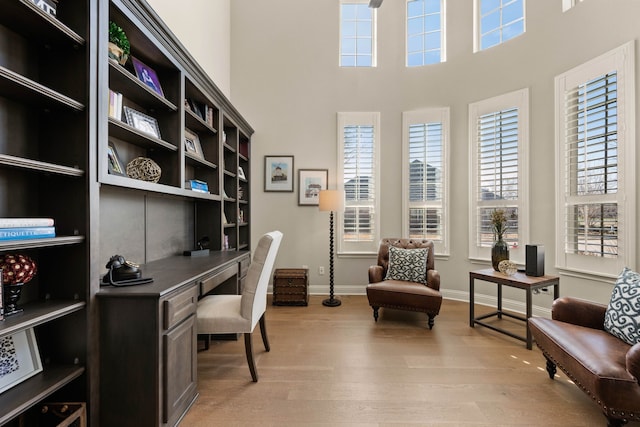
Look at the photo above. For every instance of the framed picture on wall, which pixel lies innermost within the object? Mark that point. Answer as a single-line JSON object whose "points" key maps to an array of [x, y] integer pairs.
{"points": [[278, 173], [310, 183]]}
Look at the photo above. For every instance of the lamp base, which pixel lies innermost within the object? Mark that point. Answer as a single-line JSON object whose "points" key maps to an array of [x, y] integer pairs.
{"points": [[331, 302]]}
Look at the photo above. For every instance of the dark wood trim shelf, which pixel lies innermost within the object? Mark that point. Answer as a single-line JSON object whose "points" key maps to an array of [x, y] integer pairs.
{"points": [[41, 25], [122, 130], [37, 313], [43, 167], [18, 86]]}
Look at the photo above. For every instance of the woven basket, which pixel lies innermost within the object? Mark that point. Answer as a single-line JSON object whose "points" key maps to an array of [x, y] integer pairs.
{"points": [[144, 169]]}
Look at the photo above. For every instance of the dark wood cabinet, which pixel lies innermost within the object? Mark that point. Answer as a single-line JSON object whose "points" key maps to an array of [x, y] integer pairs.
{"points": [[55, 139]]}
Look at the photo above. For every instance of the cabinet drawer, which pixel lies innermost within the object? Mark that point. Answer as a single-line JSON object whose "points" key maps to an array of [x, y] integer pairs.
{"points": [[212, 282], [180, 306], [244, 266]]}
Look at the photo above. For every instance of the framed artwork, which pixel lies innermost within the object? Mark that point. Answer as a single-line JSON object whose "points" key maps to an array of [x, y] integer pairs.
{"points": [[310, 182], [278, 173], [192, 144], [115, 164], [19, 358], [142, 122], [147, 75]]}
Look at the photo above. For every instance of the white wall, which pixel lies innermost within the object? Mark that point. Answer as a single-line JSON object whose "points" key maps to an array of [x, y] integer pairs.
{"points": [[203, 26], [286, 81]]}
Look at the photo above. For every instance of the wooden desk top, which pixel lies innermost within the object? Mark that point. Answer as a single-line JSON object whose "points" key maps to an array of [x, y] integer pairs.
{"points": [[518, 280]]}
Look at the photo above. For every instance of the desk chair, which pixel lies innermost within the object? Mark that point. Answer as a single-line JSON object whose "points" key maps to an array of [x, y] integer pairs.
{"points": [[229, 314]]}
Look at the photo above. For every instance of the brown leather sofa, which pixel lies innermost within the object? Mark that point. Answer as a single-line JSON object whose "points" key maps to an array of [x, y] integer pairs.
{"points": [[603, 366], [400, 294]]}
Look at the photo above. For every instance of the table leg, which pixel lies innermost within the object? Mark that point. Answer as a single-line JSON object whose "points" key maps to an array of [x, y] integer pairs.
{"points": [[556, 291], [529, 303], [499, 301], [471, 302]]}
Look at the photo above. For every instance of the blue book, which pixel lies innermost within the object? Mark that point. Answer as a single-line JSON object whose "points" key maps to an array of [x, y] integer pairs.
{"points": [[23, 233]]}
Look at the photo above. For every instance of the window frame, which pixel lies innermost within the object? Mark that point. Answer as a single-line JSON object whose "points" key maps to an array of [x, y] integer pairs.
{"points": [[621, 60], [427, 116], [374, 36], [359, 119], [518, 99], [441, 29], [477, 39]]}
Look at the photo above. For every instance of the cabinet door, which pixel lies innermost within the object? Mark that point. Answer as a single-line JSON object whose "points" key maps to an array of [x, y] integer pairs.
{"points": [[180, 370]]}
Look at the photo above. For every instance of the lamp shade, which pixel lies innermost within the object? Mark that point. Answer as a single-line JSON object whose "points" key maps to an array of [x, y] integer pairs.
{"points": [[331, 200]]}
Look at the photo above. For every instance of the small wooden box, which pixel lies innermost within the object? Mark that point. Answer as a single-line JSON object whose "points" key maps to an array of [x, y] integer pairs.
{"points": [[290, 286]]}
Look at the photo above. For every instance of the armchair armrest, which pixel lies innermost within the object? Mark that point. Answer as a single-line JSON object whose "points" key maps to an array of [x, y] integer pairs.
{"points": [[579, 312], [376, 274], [433, 279], [633, 361]]}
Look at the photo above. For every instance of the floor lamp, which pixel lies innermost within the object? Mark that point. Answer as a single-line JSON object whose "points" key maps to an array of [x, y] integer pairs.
{"points": [[332, 201]]}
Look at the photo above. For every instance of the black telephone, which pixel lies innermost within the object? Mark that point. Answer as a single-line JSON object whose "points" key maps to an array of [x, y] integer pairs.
{"points": [[123, 273]]}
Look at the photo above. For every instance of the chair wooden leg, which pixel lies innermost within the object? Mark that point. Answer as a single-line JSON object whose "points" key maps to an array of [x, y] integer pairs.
{"points": [[263, 332], [551, 368], [612, 422], [249, 350], [431, 321], [375, 313]]}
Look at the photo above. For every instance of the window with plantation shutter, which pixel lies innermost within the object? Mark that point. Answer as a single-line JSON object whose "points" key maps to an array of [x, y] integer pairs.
{"points": [[594, 217], [358, 169], [425, 176], [499, 147]]}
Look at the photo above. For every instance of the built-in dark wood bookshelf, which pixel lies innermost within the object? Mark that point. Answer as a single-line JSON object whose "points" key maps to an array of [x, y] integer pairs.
{"points": [[55, 79]]}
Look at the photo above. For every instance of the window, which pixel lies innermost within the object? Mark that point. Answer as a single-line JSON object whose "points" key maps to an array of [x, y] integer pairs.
{"points": [[498, 21], [425, 32], [358, 169], [425, 176], [499, 129], [595, 217], [357, 34]]}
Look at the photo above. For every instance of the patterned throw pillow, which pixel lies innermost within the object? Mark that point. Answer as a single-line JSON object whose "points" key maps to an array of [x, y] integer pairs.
{"points": [[622, 317], [407, 264]]}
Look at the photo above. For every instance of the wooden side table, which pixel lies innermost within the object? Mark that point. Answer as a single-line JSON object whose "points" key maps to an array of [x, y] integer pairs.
{"points": [[518, 280]]}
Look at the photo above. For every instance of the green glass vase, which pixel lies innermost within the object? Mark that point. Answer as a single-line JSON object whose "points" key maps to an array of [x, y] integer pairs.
{"points": [[499, 252]]}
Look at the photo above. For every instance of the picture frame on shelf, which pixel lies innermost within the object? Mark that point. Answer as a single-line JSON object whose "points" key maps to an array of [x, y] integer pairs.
{"points": [[278, 173], [192, 144], [115, 164], [147, 75], [19, 358], [49, 6], [310, 183], [142, 122], [241, 174], [196, 108]]}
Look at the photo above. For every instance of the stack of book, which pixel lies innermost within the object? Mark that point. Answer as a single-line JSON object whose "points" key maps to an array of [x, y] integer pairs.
{"points": [[26, 228], [115, 104]]}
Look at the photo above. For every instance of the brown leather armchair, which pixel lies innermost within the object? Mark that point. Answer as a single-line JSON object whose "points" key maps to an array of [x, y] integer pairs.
{"points": [[400, 294], [603, 366]]}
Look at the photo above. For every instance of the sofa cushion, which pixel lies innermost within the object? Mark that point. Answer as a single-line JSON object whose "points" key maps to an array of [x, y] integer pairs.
{"points": [[407, 264], [622, 318]]}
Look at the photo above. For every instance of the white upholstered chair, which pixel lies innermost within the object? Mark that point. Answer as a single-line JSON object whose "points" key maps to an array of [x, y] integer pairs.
{"points": [[228, 314]]}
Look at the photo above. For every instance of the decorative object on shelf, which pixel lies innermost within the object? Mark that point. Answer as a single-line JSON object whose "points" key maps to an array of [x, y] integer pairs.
{"points": [[142, 122], [145, 169], [507, 267], [115, 164], [17, 270], [192, 143], [19, 358], [278, 171], [226, 243], [202, 246], [49, 6], [240, 193], [241, 174], [332, 201], [197, 185], [500, 249], [310, 183], [147, 75], [63, 414], [196, 108], [119, 46]]}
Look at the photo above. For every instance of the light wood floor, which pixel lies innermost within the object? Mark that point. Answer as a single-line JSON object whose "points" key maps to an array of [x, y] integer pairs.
{"points": [[337, 367]]}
